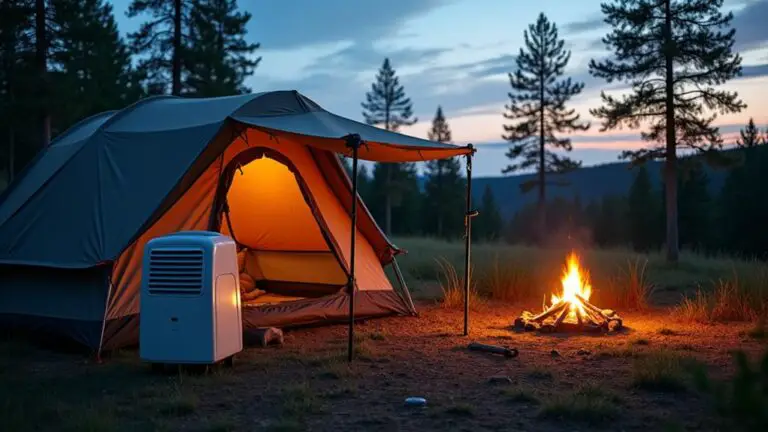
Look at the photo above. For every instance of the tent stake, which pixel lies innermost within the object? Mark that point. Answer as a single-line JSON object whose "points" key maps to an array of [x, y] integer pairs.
{"points": [[353, 142], [468, 239]]}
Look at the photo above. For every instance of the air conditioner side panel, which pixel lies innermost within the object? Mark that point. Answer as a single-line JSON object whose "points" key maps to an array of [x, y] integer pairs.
{"points": [[228, 328]]}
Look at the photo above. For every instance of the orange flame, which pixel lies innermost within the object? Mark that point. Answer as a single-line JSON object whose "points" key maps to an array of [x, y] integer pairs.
{"points": [[575, 281]]}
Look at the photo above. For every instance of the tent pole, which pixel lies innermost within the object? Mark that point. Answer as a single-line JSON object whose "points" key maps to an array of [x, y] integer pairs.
{"points": [[468, 239], [403, 287], [352, 141]]}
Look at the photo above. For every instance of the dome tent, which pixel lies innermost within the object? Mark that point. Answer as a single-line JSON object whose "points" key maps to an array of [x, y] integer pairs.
{"points": [[74, 224]]}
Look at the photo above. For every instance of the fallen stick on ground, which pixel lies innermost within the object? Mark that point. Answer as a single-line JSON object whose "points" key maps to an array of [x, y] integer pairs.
{"points": [[494, 349]]}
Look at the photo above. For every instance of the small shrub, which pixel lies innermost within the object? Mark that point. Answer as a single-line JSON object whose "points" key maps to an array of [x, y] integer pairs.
{"points": [[639, 341], [666, 332], [661, 371], [589, 403]]}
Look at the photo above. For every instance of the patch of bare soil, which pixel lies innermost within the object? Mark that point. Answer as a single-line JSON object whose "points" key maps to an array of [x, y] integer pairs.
{"points": [[557, 382]]}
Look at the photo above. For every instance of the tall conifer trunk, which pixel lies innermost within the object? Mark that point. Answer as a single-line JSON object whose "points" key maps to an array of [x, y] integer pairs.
{"points": [[41, 67], [176, 67], [670, 168]]}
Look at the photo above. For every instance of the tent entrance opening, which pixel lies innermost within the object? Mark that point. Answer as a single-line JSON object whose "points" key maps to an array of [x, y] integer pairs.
{"points": [[284, 252]]}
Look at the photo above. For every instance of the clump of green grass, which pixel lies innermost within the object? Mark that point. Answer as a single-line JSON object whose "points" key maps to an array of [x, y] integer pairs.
{"points": [[453, 287], [298, 400], [589, 403], [664, 371], [743, 297], [179, 401]]}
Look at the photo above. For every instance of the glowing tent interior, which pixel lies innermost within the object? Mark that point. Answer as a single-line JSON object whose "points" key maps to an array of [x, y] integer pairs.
{"points": [[262, 168]]}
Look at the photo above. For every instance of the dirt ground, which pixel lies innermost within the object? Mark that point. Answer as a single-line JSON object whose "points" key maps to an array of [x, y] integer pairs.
{"points": [[589, 383]]}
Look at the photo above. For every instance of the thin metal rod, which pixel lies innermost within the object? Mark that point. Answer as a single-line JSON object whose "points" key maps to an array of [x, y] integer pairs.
{"points": [[106, 310], [468, 241], [403, 287], [354, 142]]}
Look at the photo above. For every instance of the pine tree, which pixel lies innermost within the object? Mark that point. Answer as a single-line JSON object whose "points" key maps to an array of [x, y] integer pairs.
{"points": [[695, 207], [387, 105], [92, 67], [162, 41], [219, 59], [642, 205], [42, 47], [404, 195], [363, 178], [750, 136], [673, 53], [489, 222], [15, 41], [611, 229], [743, 204], [537, 110], [444, 186]]}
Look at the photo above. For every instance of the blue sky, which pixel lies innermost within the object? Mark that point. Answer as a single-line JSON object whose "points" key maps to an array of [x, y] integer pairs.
{"points": [[456, 53]]}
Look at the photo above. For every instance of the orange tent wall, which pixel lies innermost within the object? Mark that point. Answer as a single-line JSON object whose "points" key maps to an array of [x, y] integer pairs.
{"points": [[192, 211]]}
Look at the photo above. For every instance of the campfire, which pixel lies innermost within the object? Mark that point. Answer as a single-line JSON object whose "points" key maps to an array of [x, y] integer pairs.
{"points": [[571, 310]]}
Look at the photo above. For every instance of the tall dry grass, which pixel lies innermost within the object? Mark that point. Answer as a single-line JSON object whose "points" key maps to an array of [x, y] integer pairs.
{"points": [[621, 279], [452, 286], [742, 297]]}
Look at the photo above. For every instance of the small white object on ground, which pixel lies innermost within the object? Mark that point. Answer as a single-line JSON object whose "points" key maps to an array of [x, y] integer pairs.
{"points": [[415, 401]]}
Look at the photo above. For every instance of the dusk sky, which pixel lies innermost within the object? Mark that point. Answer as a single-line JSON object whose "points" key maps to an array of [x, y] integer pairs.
{"points": [[457, 53]]}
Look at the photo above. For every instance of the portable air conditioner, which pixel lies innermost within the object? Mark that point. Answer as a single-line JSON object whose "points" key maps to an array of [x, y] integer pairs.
{"points": [[190, 299]]}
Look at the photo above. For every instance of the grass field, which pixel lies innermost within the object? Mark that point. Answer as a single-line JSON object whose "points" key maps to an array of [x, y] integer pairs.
{"points": [[673, 369], [702, 288]]}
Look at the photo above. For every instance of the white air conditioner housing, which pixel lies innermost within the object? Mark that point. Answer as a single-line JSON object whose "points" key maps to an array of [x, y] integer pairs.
{"points": [[190, 299]]}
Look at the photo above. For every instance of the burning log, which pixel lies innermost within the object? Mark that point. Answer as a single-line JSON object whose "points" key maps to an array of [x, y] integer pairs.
{"points": [[572, 311]]}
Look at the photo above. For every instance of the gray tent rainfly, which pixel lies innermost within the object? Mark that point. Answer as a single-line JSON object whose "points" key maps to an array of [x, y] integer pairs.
{"points": [[73, 225]]}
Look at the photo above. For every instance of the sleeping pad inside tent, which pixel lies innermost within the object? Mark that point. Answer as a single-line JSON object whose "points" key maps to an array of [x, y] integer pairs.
{"points": [[261, 168]]}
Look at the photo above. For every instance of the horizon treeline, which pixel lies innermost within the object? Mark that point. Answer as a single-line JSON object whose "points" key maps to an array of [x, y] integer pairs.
{"points": [[727, 220], [62, 61]]}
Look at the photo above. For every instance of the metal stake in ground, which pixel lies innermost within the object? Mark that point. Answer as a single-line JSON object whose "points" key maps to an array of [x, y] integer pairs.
{"points": [[468, 238], [353, 142]]}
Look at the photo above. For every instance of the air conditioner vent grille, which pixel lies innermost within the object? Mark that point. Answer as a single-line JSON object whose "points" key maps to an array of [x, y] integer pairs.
{"points": [[175, 271]]}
